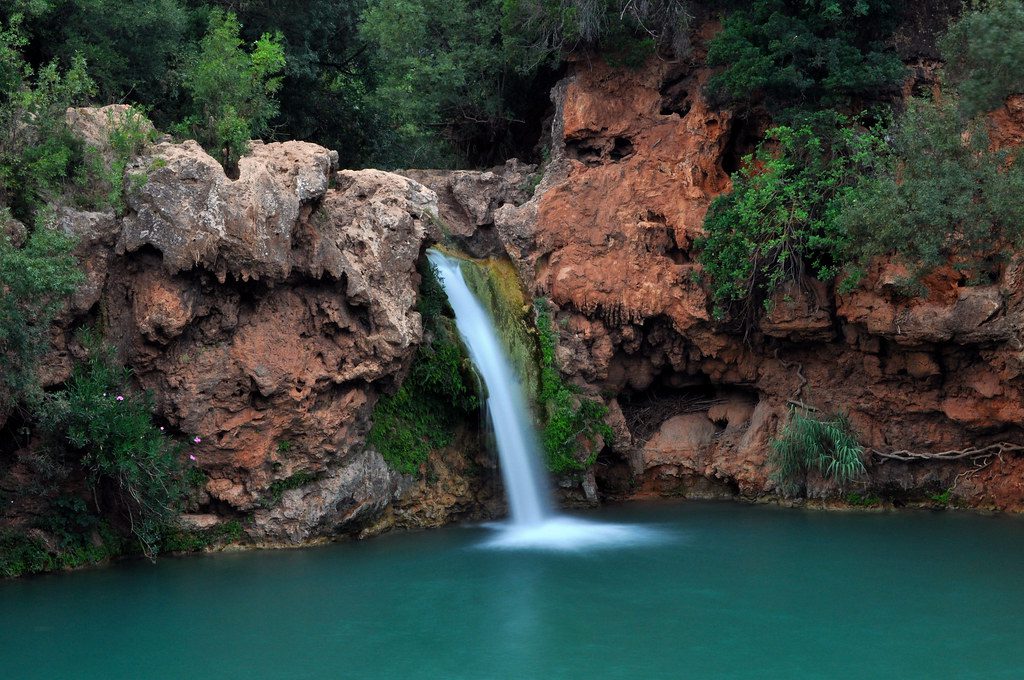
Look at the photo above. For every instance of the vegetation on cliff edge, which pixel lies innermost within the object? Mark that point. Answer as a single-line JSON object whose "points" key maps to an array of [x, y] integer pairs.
{"points": [[809, 442], [439, 390]]}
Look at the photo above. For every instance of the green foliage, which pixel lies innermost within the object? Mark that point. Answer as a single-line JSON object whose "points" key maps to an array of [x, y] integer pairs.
{"points": [[807, 443], [572, 423], [232, 90], [101, 180], [782, 218], [35, 280], [438, 392], [22, 554], [38, 154], [277, 488], [809, 54], [862, 501], [440, 74], [76, 538], [982, 51], [942, 192], [177, 540], [128, 462], [130, 45]]}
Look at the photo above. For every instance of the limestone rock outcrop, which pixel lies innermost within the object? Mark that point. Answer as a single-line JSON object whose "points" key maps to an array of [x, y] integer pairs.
{"points": [[637, 158], [266, 313]]}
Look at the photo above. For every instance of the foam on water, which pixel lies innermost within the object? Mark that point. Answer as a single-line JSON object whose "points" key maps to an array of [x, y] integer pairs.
{"points": [[568, 534]]}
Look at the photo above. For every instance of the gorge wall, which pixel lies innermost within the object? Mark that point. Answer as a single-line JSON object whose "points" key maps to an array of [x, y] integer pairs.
{"points": [[267, 314], [637, 157]]}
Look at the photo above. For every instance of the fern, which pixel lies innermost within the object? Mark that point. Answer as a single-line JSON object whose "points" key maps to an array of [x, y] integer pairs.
{"points": [[807, 443]]}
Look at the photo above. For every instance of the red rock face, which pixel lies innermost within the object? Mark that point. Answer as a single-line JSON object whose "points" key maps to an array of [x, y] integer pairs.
{"points": [[266, 314], [637, 158]]}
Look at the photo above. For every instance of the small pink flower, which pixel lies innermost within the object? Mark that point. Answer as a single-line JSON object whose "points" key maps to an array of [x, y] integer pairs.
{"points": [[161, 428], [191, 457], [197, 440], [120, 398]]}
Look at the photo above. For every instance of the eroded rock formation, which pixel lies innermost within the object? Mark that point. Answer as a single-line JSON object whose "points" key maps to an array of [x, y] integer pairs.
{"points": [[637, 157], [266, 314]]}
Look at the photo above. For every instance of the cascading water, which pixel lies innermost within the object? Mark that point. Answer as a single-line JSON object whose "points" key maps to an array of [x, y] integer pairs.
{"points": [[520, 467], [533, 523]]}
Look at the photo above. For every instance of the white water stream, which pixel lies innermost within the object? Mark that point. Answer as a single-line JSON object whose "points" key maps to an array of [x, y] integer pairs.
{"points": [[533, 522]]}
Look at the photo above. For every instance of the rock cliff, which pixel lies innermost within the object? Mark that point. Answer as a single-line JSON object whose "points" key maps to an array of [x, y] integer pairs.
{"points": [[266, 314], [637, 157]]}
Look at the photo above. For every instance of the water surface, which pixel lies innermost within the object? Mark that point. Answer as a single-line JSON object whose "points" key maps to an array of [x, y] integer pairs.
{"points": [[730, 591]]}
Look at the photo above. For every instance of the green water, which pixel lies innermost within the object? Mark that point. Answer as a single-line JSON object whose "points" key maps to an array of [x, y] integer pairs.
{"points": [[731, 591]]}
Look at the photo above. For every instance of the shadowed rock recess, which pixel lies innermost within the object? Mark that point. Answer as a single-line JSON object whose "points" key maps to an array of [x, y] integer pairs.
{"points": [[268, 313]]}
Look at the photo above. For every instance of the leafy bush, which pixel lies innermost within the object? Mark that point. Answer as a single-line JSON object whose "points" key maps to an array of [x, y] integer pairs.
{"points": [[942, 192], [38, 153], [810, 54], [130, 45], [232, 90], [807, 443], [181, 540], [421, 416], [982, 53], [100, 181], [131, 466], [77, 538], [35, 280], [22, 554], [572, 423], [781, 219]]}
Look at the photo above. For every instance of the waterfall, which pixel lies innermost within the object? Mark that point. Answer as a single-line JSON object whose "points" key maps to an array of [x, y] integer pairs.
{"points": [[528, 495], [533, 522]]}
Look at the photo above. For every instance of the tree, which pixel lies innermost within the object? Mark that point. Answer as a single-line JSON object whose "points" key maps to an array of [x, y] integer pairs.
{"points": [[781, 220], [942, 192], [38, 153], [808, 54], [441, 74], [232, 90], [130, 45], [983, 51], [541, 30]]}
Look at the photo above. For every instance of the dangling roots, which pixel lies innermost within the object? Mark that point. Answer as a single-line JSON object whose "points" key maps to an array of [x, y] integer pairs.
{"points": [[979, 456]]}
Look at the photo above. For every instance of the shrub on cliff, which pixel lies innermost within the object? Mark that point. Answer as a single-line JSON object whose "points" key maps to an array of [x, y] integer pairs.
{"points": [[439, 391], [808, 54], [943, 193], [812, 443], [982, 51], [38, 153], [572, 423], [781, 219], [232, 90], [100, 424], [35, 281]]}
